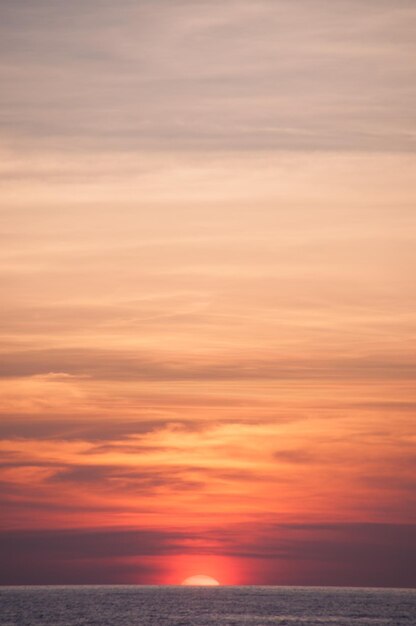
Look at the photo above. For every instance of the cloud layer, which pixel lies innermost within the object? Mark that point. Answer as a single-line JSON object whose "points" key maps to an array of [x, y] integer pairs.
{"points": [[206, 264], [208, 75]]}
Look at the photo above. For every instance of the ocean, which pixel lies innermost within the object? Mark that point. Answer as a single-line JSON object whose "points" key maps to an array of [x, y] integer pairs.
{"points": [[205, 606]]}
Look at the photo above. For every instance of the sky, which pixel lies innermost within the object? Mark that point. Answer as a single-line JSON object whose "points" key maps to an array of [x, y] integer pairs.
{"points": [[207, 259]]}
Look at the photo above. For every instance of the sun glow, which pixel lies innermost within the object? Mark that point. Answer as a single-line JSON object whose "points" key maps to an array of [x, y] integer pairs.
{"points": [[200, 580]]}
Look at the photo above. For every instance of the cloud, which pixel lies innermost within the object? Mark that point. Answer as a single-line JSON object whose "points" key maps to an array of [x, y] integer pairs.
{"points": [[207, 260], [92, 428], [302, 456], [344, 554], [122, 479], [366, 554], [83, 556], [203, 76], [127, 365]]}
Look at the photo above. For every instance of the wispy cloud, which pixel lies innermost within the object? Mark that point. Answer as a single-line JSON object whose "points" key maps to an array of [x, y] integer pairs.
{"points": [[207, 75]]}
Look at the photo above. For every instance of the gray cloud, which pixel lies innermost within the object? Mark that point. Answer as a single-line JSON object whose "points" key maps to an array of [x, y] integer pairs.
{"points": [[366, 554], [299, 456], [125, 365], [344, 554], [209, 75], [123, 479], [82, 556], [93, 429]]}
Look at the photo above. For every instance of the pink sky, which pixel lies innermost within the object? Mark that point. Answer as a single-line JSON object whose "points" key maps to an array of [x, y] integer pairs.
{"points": [[207, 275]]}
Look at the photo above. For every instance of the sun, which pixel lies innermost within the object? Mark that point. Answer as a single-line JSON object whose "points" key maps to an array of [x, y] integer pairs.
{"points": [[200, 580]]}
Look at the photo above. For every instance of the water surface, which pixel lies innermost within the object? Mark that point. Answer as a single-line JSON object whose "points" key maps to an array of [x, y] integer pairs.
{"points": [[205, 606]]}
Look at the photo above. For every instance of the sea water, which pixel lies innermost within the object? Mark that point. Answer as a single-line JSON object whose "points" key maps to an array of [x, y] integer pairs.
{"points": [[205, 606]]}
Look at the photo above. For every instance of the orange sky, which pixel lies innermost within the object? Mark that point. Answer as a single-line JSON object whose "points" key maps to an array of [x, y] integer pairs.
{"points": [[207, 270]]}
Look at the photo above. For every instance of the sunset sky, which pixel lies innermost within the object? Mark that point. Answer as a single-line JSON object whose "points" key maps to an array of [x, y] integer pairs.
{"points": [[208, 291]]}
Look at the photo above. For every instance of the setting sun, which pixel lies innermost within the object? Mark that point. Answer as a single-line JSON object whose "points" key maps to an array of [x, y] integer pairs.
{"points": [[200, 581]]}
